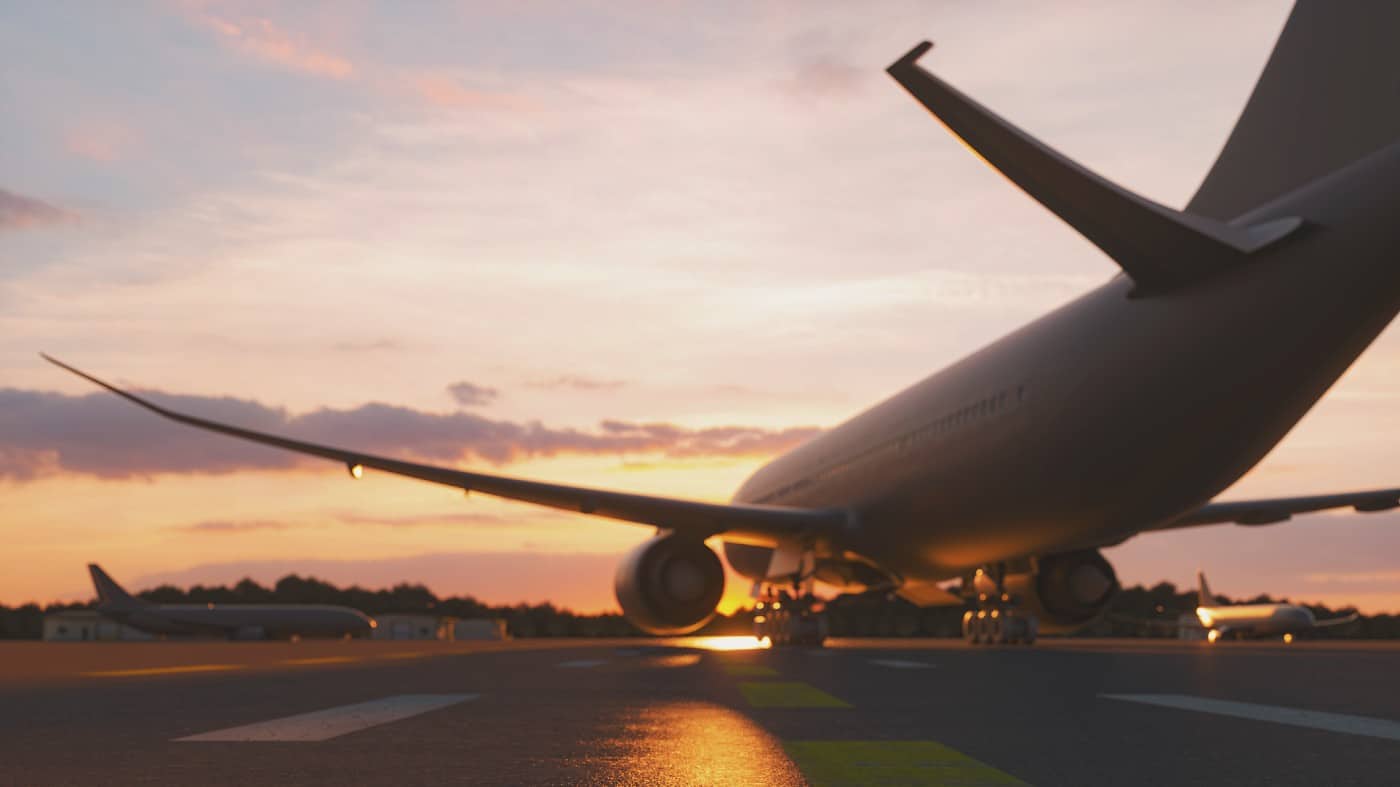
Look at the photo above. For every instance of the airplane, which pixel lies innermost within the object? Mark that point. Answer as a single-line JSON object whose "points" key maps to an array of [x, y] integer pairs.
{"points": [[1125, 411], [1251, 620], [234, 621]]}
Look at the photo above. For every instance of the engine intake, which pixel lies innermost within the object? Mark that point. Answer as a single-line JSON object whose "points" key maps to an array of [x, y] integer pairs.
{"points": [[670, 585], [1066, 591]]}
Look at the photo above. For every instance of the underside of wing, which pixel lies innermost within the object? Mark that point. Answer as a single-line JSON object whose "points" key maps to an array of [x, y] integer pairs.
{"points": [[1272, 510], [1329, 95], [757, 524]]}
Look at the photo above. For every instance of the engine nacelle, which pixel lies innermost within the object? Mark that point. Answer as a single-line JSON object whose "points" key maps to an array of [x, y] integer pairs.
{"points": [[1065, 591], [670, 584]]}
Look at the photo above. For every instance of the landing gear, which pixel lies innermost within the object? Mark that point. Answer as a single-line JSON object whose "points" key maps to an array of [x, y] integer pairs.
{"points": [[995, 619], [783, 619], [999, 626]]}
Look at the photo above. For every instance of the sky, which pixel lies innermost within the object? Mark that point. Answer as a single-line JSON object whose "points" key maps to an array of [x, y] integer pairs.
{"points": [[634, 245]]}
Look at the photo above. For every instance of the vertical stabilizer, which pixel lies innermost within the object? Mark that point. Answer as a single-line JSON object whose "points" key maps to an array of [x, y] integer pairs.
{"points": [[1204, 598], [109, 593]]}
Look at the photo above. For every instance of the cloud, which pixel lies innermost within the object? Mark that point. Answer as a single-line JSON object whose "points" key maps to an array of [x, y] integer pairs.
{"points": [[368, 345], [826, 77], [103, 141], [230, 526], [262, 40], [463, 518], [19, 212], [442, 90], [575, 382], [472, 395], [97, 434]]}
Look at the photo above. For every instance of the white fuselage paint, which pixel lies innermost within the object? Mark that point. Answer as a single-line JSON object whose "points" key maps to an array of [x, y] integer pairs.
{"points": [[1113, 414]]}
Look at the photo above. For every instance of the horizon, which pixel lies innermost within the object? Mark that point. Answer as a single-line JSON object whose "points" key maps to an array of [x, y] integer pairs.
{"points": [[515, 247]]}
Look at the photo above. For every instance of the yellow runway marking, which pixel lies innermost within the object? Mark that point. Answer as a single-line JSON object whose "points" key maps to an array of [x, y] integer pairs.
{"points": [[131, 673], [911, 763], [779, 694], [323, 660], [417, 654], [749, 671]]}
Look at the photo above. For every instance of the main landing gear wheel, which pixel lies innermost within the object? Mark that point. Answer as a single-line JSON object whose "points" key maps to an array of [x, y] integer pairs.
{"points": [[784, 620], [1001, 626]]}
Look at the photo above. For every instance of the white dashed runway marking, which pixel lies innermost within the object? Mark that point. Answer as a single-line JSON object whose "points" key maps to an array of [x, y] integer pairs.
{"points": [[901, 664], [1317, 720], [333, 722], [582, 663]]}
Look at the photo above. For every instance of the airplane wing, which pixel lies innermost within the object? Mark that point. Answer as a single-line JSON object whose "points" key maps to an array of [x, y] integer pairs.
{"points": [[1345, 620], [757, 524], [1281, 509]]}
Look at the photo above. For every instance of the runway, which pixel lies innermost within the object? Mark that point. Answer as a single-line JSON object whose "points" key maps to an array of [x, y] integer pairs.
{"points": [[640, 712]]}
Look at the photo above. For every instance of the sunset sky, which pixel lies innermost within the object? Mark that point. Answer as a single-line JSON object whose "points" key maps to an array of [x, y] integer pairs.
{"points": [[634, 245]]}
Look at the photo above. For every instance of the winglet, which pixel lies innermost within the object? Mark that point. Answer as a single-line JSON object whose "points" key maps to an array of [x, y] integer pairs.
{"points": [[109, 593], [1160, 248]]}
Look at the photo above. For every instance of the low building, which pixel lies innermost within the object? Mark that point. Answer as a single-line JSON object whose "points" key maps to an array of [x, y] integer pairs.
{"points": [[86, 625], [445, 627], [1188, 626], [410, 626], [479, 628]]}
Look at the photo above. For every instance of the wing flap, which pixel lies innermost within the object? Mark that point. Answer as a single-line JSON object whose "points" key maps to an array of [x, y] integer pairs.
{"points": [[1159, 248], [744, 523]]}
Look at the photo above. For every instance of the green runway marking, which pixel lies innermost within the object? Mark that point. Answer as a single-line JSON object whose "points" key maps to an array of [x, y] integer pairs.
{"points": [[878, 763], [779, 694], [749, 671]]}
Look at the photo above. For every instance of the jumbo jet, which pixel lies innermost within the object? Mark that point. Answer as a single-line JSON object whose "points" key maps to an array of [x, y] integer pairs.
{"points": [[1124, 411], [1257, 620], [234, 621]]}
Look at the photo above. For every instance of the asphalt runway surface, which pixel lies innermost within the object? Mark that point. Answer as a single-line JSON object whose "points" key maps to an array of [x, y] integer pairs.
{"points": [[879, 712]]}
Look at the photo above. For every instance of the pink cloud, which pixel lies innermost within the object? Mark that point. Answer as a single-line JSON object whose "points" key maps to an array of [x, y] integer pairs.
{"points": [[447, 92], [261, 39], [19, 212], [103, 141]]}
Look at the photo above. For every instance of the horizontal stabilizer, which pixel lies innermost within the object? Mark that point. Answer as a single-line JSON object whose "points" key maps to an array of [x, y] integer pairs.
{"points": [[1160, 248]]}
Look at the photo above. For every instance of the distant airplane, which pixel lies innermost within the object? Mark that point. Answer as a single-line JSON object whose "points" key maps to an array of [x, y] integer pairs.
{"points": [[1257, 620], [235, 621], [1124, 411]]}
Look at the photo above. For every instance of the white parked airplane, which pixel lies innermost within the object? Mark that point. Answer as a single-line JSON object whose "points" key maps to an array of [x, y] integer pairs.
{"points": [[1124, 411], [1256, 620]]}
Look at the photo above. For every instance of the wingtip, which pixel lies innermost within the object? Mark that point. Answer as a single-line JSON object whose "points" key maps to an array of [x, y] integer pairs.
{"points": [[911, 57]]}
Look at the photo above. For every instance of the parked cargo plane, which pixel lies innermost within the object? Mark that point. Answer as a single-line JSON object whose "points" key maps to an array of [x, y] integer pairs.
{"points": [[1256, 620], [1124, 411], [235, 621]]}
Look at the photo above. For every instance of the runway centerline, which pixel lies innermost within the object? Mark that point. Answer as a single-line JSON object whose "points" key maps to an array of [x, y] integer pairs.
{"points": [[333, 722], [1294, 717]]}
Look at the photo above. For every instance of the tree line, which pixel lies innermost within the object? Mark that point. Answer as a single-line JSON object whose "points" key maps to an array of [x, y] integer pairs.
{"points": [[1136, 611]]}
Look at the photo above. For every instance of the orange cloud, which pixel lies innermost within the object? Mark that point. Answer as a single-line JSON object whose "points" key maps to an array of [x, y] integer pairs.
{"points": [[262, 40], [446, 91]]}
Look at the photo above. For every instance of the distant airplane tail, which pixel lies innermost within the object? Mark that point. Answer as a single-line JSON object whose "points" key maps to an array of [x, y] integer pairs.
{"points": [[1204, 598], [109, 593]]}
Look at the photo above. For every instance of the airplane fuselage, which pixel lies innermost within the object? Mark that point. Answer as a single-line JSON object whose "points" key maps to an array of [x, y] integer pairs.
{"points": [[1114, 413], [246, 620], [1257, 619]]}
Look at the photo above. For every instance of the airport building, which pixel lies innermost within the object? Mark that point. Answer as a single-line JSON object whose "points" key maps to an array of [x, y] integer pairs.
{"points": [[87, 625], [441, 627]]}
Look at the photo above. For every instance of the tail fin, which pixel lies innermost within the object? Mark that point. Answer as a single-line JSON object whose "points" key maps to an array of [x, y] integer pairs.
{"points": [[1204, 598], [109, 593], [1326, 98], [1158, 247]]}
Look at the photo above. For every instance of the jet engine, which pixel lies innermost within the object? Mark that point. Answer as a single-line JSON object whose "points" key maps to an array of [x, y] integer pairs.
{"points": [[670, 585], [1065, 591]]}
